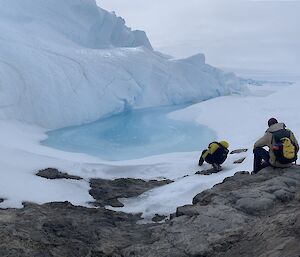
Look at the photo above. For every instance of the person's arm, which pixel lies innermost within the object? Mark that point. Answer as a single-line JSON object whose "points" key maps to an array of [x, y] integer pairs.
{"points": [[294, 139], [263, 141], [212, 147], [205, 154]]}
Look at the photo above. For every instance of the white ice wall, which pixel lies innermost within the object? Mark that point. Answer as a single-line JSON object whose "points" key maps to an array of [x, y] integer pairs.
{"points": [[68, 62]]}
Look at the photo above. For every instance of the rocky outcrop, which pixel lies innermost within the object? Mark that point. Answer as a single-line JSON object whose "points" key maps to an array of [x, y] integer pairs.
{"points": [[245, 215], [64, 230], [238, 151], [107, 192], [51, 173]]}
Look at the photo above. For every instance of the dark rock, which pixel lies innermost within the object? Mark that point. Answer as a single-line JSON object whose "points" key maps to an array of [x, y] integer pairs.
{"points": [[61, 229], [107, 192], [207, 172], [238, 151], [158, 218], [284, 195], [296, 224], [51, 173], [242, 173], [172, 216], [297, 195], [243, 216], [204, 198], [253, 205], [239, 161], [186, 210]]}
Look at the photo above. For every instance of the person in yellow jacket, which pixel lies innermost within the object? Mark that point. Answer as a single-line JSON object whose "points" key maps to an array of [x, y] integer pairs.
{"points": [[215, 154]]}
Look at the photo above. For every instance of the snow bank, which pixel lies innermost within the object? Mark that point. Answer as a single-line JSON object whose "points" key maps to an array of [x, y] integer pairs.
{"points": [[70, 62]]}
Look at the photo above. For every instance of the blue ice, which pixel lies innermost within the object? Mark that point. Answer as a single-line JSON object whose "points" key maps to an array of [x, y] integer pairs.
{"points": [[131, 135]]}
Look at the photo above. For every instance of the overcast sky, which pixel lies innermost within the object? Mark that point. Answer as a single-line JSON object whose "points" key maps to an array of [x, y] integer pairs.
{"points": [[231, 33]]}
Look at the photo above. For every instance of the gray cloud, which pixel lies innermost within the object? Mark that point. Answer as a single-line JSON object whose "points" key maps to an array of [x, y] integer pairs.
{"points": [[261, 34]]}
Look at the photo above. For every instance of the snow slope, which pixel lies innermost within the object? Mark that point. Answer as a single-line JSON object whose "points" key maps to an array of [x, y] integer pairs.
{"points": [[70, 62]]}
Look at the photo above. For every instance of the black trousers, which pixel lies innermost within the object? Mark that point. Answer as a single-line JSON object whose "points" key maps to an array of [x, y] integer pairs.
{"points": [[261, 159], [211, 158]]}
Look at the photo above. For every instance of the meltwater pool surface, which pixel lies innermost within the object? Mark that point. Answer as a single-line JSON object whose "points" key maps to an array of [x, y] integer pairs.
{"points": [[132, 134]]}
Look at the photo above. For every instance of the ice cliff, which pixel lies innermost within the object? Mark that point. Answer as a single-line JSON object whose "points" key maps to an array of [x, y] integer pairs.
{"points": [[70, 62]]}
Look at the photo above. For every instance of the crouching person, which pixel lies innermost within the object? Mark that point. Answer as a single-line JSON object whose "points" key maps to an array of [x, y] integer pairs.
{"points": [[215, 154], [282, 144]]}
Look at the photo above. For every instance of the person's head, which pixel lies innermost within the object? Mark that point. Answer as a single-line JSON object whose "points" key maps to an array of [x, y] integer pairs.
{"points": [[224, 143], [272, 121]]}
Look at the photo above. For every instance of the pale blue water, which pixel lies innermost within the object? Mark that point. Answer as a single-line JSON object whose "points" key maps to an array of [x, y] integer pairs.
{"points": [[131, 135]]}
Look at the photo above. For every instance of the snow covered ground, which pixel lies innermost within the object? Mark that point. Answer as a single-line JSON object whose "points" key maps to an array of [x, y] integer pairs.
{"points": [[238, 119]]}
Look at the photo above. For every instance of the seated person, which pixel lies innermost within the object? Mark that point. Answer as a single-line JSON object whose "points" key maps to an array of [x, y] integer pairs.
{"points": [[216, 154], [282, 144]]}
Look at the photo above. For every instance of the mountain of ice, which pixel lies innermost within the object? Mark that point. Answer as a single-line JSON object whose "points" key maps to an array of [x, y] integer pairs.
{"points": [[70, 62], [78, 21]]}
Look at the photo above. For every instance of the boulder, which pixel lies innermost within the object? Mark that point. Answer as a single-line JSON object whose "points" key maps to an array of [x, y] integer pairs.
{"points": [[107, 192], [51, 173]]}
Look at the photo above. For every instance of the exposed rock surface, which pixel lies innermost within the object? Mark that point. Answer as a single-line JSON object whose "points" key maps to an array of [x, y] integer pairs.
{"points": [[63, 230], [239, 161], [159, 218], [51, 173], [246, 215], [107, 192], [207, 172], [238, 151]]}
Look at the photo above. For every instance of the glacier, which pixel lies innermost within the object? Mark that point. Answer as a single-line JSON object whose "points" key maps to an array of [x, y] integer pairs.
{"points": [[70, 62]]}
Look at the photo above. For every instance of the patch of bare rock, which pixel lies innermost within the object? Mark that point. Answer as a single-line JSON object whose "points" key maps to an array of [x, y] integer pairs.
{"points": [[52, 173], [245, 215], [107, 192]]}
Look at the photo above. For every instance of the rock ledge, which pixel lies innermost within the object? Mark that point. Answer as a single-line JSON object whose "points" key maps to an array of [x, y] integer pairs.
{"points": [[245, 215]]}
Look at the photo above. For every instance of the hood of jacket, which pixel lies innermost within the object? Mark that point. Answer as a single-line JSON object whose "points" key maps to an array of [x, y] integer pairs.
{"points": [[276, 127]]}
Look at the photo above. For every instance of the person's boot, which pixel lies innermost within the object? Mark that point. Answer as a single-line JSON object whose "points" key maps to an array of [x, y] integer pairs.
{"points": [[217, 167]]}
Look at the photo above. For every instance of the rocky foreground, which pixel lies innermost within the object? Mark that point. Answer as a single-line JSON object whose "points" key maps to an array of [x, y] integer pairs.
{"points": [[246, 215]]}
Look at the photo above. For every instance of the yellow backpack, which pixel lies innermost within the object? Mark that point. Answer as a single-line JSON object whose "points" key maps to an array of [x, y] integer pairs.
{"points": [[288, 148], [284, 149]]}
